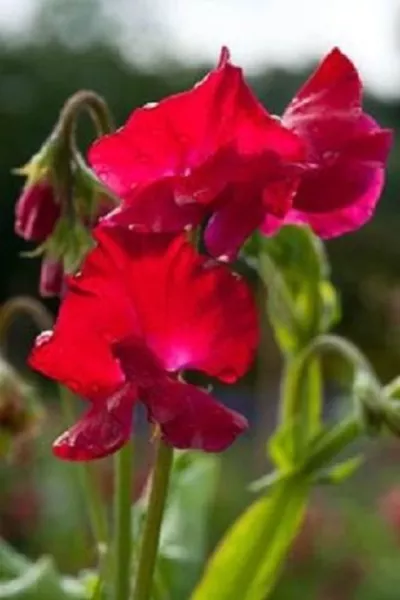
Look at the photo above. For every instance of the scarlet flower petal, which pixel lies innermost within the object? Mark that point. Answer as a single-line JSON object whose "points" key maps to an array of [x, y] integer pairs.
{"points": [[194, 314], [145, 305], [80, 360], [104, 428], [154, 208], [188, 148], [334, 84], [182, 131], [190, 312], [191, 418], [96, 312]]}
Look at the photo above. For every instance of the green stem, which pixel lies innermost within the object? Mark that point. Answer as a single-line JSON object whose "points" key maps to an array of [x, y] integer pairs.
{"points": [[96, 107], [152, 528], [301, 399], [97, 516], [123, 526], [333, 442]]}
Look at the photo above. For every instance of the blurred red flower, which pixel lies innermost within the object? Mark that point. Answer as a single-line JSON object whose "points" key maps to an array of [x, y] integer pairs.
{"points": [[389, 509], [144, 308]]}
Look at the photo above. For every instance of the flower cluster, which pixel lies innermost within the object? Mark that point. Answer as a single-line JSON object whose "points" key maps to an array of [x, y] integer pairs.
{"points": [[146, 306]]}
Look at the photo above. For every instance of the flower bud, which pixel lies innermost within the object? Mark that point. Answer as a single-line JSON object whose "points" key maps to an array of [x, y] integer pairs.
{"points": [[36, 211], [51, 278], [60, 204]]}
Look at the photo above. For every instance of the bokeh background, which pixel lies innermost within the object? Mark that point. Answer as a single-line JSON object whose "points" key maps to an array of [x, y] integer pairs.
{"points": [[134, 52]]}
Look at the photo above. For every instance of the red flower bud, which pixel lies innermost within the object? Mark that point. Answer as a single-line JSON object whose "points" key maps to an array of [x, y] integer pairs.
{"points": [[36, 211], [51, 278]]}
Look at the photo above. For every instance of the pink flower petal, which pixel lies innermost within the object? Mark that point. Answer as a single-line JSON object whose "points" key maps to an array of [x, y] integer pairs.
{"points": [[347, 150]]}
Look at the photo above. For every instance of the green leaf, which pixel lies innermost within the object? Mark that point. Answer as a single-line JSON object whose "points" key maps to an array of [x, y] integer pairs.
{"points": [[248, 561], [41, 581], [340, 472], [193, 482], [266, 481], [12, 563]]}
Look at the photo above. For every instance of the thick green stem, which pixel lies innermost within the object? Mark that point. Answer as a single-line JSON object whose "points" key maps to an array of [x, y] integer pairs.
{"points": [[301, 399], [123, 527], [152, 528]]}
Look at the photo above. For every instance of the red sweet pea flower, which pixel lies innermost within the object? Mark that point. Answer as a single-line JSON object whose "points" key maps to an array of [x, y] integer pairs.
{"points": [[347, 151], [144, 308], [212, 151]]}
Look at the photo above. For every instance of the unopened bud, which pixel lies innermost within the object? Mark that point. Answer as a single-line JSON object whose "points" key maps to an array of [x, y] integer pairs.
{"points": [[36, 211], [52, 280]]}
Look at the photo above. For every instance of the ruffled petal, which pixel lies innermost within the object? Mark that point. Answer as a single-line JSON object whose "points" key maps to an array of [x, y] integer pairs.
{"points": [[191, 418], [194, 313], [143, 304], [233, 222], [80, 360], [154, 208], [335, 83], [95, 313], [180, 133], [327, 109], [347, 151], [102, 430], [243, 208]]}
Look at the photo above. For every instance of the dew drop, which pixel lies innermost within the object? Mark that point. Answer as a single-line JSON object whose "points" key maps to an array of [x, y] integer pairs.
{"points": [[43, 338]]}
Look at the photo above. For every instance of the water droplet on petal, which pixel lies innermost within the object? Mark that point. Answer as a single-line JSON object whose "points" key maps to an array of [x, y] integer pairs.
{"points": [[43, 338]]}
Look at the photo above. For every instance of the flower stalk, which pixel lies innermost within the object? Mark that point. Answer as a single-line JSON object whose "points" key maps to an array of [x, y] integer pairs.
{"points": [[122, 518], [152, 528]]}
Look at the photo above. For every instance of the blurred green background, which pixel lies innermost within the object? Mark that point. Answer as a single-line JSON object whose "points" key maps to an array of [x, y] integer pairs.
{"points": [[136, 52]]}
